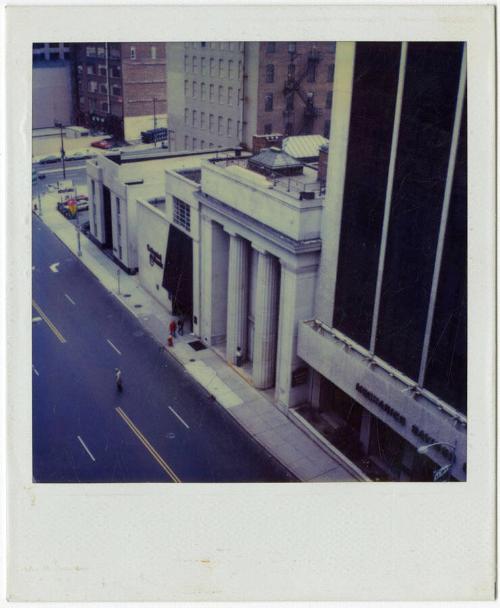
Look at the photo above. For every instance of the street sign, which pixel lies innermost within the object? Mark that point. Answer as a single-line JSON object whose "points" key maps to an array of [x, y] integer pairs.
{"points": [[442, 472]]}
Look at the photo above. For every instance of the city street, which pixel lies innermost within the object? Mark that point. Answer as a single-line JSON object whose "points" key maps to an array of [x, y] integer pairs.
{"points": [[162, 428]]}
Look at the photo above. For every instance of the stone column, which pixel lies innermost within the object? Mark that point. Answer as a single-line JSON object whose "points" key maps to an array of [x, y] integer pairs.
{"points": [[266, 321], [237, 298]]}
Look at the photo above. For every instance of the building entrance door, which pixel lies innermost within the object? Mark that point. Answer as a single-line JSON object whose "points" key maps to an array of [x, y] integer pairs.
{"points": [[108, 226]]}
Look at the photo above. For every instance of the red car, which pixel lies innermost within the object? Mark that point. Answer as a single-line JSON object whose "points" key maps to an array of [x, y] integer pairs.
{"points": [[103, 144]]}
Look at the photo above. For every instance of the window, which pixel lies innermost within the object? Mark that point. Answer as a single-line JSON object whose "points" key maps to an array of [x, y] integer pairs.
{"points": [[212, 66], [202, 120], [211, 123], [116, 71], [289, 128], [194, 88], [203, 44], [332, 47], [203, 91], [186, 116], [116, 90], [268, 102], [231, 46], [222, 46], [268, 128], [132, 53], [182, 214], [311, 71], [220, 128], [203, 65], [194, 118], [186, 142], [91, 69], [195, 143], [103, 89], [104, 106], [229, 127], [100, 51], [90, 51], [326, 129], [230, 96], [202, 144], [92, 86], [153, 52], [289, 101], [221, 68], [230, 69], [270, 72], [194, 64], [186, 88], [221, 94], [54, 56], [211, 92], [331, 70], [82, 101], [186, 63], [239, 69], [291, 71], [102, 70], [292, 47], [271, 47], [213, 45], [239, 96], [238, 129], [329, 98]]}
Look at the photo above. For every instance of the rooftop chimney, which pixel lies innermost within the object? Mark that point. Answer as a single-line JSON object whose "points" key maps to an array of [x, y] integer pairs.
{"points": [[266, 141]]}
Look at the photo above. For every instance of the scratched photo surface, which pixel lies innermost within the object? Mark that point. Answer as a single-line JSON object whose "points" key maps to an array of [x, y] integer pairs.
{"points": [[249, 261]]}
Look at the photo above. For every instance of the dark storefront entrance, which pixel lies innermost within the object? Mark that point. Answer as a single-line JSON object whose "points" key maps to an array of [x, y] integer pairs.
{"points": [[372, 445], [178, 273]]}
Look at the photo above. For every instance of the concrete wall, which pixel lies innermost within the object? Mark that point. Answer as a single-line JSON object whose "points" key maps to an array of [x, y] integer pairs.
{"points": [[52, 99], [153, 231], [295, 218]]}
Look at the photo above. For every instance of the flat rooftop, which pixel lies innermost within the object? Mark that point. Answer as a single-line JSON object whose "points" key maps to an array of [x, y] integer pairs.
{"points": [[293, 185]]}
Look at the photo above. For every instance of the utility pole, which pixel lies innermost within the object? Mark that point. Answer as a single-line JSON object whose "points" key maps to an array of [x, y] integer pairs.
{"points": [[154, 119], [60, 126]]}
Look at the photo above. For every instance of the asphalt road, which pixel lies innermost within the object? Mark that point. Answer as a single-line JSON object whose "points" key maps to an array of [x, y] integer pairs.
{"points": [[162, 428]]}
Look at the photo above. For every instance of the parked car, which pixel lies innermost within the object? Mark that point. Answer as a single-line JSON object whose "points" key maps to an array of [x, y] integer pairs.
{"points": [[80, 155], [82, 197], [50, 158], [103, 144]]}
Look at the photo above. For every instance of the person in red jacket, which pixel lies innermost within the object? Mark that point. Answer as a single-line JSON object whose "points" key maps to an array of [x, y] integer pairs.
{"points": [[172, 327]]}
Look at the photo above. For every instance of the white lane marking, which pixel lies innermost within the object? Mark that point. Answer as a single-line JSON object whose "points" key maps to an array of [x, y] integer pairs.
{"points": [[35, 370], [113, 346], [54, 266], [36, 319], [50, 171], [178, 417], [68, 298], [85, 447]]}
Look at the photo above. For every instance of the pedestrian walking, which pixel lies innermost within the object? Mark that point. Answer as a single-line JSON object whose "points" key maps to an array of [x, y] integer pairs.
{"points": [[118, 379], [172, 327], [180, 326]]}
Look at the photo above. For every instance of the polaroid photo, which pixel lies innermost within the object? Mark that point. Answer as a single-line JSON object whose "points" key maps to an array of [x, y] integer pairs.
{"points": [[258, 252]]}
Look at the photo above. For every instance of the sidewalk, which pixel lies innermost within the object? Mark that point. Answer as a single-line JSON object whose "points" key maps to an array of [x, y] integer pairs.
{"points": [[248, 406]]}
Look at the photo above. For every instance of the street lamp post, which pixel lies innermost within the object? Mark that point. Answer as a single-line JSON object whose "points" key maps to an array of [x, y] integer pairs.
{"points": [[442, 472], [77, 226], [60, 126]]}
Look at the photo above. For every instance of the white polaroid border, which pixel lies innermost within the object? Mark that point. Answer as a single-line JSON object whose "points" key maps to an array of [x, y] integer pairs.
{"points": [[190, 542]]}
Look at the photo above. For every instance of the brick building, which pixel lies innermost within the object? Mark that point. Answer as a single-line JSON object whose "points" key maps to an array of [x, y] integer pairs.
{"points": [[121, 87], [223, 93]]}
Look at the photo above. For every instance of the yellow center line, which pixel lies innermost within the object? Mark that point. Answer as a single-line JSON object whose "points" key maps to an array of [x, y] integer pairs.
{"points": [[168, 470], [51, 325]]}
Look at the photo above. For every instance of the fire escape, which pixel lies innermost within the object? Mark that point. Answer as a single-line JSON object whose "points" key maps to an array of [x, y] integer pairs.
{"points": [[293, 87]]}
